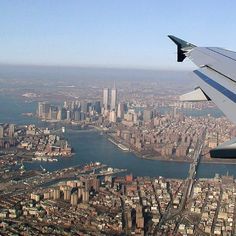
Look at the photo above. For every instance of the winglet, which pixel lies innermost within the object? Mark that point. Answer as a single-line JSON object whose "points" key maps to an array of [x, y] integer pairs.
{"points": [[182, 47]]}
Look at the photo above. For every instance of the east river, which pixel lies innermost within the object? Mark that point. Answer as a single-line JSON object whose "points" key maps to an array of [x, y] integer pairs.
{"points": [[91, 146]]}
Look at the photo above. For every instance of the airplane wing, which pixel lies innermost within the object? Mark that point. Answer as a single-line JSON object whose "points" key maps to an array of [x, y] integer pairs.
{"points": [[217, 82]]}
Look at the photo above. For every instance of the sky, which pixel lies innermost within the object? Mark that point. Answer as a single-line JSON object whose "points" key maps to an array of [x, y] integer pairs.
{"points": [[111, 33]]}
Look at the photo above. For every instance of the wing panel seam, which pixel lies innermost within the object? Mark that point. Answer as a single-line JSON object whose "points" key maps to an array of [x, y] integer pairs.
{"points": [[229, 94], [222, 54]]}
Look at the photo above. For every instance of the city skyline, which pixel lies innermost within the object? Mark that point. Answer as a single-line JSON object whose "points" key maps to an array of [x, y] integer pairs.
{"points": [[149, 133], [95, 138]]}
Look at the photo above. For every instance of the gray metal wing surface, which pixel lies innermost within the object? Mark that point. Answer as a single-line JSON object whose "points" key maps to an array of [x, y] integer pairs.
{"points": [[216, 75]]}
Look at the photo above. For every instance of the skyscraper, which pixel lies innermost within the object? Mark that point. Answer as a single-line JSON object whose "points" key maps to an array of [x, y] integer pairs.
{"points": [[84, 106], [63, 113], [1, 131], [11, 130], [121, 110], [76, 115], [74, 199], [97, 107], [59, 113], [105, 98], [40, 109], [53, 110], [43, 110], [113, 98], [68, 115], [112, 117]]}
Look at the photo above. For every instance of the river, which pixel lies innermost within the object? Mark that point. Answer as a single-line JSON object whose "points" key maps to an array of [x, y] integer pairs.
{"points": [[90, 146]]}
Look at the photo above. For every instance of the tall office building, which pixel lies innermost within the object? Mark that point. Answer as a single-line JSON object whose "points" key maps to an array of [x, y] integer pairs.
{"points": [[82, 116], [59, 113], [40, 109], [67, 193], [147, 115], [68, 115], [43, 110], [77, 115], [97, 107], [63, 113], [56, 194], [80, 192], [53, 110], [112, 117], [105, 98], [121, 110], [11, 130], [74, 199], [85, 196], [113, 98], [1, 131], [85, 106]]}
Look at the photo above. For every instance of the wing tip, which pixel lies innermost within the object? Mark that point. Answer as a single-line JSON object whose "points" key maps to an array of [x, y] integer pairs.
{"points": [[182, 47]]}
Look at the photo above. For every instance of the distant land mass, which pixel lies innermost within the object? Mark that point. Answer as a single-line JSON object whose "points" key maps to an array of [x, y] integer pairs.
{"points": [[90, 74]]}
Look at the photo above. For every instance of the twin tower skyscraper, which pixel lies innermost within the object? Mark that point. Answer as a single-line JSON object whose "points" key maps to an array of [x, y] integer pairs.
{"points": [[110, 100]]}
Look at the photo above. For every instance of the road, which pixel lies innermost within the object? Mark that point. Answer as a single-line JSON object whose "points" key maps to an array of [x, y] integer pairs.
{"points": [[171, 213]]}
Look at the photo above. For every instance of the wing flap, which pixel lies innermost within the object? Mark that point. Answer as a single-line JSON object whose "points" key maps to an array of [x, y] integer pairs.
{"points": [[195, 96], [220, 60], [220, 90], [217, 79]]}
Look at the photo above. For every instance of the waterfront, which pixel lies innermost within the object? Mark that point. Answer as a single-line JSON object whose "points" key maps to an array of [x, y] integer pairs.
{"points": [[91, 146]]}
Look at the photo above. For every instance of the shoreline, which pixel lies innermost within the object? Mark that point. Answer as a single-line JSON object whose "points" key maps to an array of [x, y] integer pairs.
{"points": [[152, 158], [92, 128]]}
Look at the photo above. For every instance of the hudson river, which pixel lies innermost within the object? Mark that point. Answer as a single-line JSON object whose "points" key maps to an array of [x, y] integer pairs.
{"points": [[90, 146]]}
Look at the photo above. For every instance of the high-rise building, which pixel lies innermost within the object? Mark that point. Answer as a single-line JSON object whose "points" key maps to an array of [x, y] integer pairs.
{"points": [[43, 110], [74, 199], [105, 98], [84, 106], [1, 131], [11, 130], [77, 115], [82, 116], [80, 192], [90, 183], [40, 109], [147, 115], [59, 114], [63, 113], [85, 196], [67, 193], [113, 98], [121, 110], [112, 117], [68, 115], [97, 107], [53, 112], [56, 194]]}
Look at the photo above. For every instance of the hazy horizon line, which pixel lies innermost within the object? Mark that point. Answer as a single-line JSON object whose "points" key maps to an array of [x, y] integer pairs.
{"points": [[91, 66]]}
